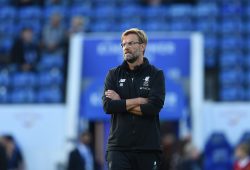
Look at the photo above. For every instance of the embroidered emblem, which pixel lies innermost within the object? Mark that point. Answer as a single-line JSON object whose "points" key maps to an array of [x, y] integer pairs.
{"points": [[146, 81], [121, 81]]}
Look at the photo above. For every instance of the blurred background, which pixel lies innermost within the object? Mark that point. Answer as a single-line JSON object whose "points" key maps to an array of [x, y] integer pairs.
{"points": [[55, 54]]}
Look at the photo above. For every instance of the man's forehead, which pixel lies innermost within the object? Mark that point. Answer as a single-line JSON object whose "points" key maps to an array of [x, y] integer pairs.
{"points": [[130, 37]]}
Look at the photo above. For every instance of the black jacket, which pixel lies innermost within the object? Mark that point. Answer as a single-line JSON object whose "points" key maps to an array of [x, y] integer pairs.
{"points": [[76, 162], [130, 132]]}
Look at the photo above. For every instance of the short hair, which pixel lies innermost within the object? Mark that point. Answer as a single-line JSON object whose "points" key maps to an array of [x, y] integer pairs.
{"points": [[142, 37]]}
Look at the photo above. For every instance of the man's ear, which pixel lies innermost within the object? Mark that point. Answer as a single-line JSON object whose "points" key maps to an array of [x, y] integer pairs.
{"points": [[143, 46]]}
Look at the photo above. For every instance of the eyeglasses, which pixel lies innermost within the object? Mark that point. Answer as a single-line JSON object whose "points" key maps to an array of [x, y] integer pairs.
{"points": [[129, 44]]}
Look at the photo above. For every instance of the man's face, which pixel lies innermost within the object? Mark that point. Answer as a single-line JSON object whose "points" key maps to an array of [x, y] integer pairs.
{"points": [[132, 48]]}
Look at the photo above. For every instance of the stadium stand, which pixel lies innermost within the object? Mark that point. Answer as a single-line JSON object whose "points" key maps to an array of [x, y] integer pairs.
{"points": [[226, 28]]}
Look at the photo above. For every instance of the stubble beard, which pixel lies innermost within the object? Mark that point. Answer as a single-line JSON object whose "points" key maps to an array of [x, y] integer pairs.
{"points": [[131, 58]]}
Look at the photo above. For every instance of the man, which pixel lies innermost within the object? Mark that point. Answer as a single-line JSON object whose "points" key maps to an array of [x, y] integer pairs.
{"points": [[134, 94], [25, 51], [81, 157], [3, 156], [14, 154]]}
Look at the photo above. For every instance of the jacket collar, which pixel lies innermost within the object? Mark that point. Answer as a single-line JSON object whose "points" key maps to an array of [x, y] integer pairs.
{"points": [[145, 63]]}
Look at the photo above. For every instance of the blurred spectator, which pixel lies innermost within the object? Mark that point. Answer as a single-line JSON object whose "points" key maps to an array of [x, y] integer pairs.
{"points": [[77, 25], [25, 51], [169, 148], [152, 2], [242, 156], [192, 159], [14, 155], [81, 158], [3, 156], [53, 38]]}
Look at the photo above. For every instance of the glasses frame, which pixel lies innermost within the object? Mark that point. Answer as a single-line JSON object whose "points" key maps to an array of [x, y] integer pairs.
{"points": [[131, 43]]}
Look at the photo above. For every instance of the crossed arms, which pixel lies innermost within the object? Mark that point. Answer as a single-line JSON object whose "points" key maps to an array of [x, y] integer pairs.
{"points": [[150, 106], [132, 105]]}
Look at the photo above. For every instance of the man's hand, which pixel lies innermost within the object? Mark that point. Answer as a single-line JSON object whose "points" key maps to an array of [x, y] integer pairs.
{"points": [[142, 100], [112, 95]]}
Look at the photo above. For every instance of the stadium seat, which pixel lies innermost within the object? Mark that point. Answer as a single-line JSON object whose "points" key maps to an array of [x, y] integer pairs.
{"points": [[206, 11], [49, 95], [232, 93], [157, 13], [131, 12], [231, 60], [51, 78], [4, 2], [101, 26], [4, 96], [50, 61], [51, 10], [232, 43], [30, 14], [105, 13], [82, 10], [23, 79], [210, 26], [22, 95], [211, 41], [217, 153], [4, 78], [231, 76], [156, 26], [230, 26], [7, 14]]}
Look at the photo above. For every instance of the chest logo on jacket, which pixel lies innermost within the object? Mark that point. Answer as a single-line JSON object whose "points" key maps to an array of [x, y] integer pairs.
{"points": [[146, 81], [122, 81]]}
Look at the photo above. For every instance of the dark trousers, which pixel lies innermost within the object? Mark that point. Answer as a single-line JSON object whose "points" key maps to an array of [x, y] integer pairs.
{"points": [[124, 160]]}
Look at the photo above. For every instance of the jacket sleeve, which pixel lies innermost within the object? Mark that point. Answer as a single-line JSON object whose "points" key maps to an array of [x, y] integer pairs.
{"points": [[112, 106], [156, 96]]}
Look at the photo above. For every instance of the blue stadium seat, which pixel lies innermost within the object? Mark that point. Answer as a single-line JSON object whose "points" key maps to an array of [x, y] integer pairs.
{"points": [[4, 2], [230, 26], [7, 14], [49, 95], [4, 78], [232, 93], [22, 95], [230, 10], [231, 76], [30, 13], [210, 26], [232, 42], [82, 10], [156, 26], [49, 61], [247, 61], [230, 60], [51, 78], [206, 11], [134, 12], [107, 13], [4, 96], [210, 58], [51, 10], [159, 13], [217, 153], [24, 79], [211, 41], [101, 26], [179, 11]]}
